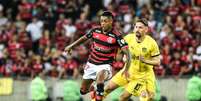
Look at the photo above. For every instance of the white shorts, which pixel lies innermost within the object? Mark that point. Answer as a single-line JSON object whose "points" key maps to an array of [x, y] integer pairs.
{"points": [[91, 70]]}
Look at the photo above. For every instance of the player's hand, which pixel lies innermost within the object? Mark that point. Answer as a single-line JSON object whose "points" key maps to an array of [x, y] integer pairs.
{"points": [[126, 73], [68, 50]]}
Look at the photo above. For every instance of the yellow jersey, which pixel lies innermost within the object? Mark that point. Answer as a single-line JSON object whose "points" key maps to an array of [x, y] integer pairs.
{"points": [[147, 48]]}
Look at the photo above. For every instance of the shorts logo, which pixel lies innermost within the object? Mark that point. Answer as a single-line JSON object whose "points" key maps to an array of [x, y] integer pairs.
{"points": [[86, 67], [137, 86]]}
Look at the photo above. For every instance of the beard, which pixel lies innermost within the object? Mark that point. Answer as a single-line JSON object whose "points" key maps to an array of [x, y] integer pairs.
{"points": [[138, 35], [106, 29]]}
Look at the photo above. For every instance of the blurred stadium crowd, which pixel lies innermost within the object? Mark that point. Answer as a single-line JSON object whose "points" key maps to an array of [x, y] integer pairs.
{"points": [[33, 34]]}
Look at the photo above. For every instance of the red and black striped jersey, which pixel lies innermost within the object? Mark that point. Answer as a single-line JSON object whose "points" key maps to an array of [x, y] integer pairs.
{"points": [[104, 46]]}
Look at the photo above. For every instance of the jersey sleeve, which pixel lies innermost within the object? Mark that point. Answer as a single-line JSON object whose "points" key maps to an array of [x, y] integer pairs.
{"points": [[122, 43], [89, 33], [155, 49], [126, 38]]}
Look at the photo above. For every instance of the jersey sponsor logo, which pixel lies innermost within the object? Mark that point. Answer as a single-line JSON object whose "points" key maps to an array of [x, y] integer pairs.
{"points": [[97, 36], [135, 57], [102, 49], [109, 40], [144, 49]]}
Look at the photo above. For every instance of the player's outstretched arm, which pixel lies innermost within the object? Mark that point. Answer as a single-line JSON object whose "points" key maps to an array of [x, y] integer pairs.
{"points": [[77, 42], [151, 61], [128, 57], [127, 63]]}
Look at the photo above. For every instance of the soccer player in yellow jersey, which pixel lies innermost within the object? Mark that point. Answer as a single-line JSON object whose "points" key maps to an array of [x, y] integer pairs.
{"points": [[140, 80]]}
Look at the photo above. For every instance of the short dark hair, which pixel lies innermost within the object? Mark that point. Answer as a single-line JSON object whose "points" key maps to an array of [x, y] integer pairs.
{"points": [[143, 20], [107, 14]]}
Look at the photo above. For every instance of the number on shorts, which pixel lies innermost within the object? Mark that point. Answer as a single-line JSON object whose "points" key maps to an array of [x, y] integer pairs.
{"points": [[137, 86]]}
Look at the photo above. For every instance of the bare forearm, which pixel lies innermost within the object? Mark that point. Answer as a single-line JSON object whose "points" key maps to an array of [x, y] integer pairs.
{"points": [[128, 57], [152, 61], [79, 41]]}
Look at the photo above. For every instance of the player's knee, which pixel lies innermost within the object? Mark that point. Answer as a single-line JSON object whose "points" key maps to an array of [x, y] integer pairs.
{"points": [[146, 96], [102, 76], [151, 96]]}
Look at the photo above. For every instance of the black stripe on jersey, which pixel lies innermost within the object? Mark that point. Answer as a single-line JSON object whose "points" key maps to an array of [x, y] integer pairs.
{"points": [[156, 55], [96, 58], [101, 56], [103, 51], [102, 42]]}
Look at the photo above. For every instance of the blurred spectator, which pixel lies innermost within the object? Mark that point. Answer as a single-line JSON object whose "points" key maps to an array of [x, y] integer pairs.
{"points": [[24, 70], [70, 69], [82, 24], [53, 72], [38, 88], [44, 41], [71, 91], [14, 48], [25, 10], [35, 30], [70, 29], [3, 19], [193, 92], [37, 66], [197, 56], [24, 39]]}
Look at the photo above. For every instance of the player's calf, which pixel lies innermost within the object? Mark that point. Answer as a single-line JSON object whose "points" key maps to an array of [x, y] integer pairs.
{"points": [[100, 92]]}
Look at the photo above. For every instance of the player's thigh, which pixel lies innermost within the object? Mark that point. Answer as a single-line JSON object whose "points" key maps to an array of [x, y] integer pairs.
{"points": [[136, 87], [111, 86], [119, 79], [104, 71], [103, 74]]}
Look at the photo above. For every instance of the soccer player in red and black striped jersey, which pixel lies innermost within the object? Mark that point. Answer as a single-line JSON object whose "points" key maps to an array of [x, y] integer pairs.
{"points": [[105, 42]]}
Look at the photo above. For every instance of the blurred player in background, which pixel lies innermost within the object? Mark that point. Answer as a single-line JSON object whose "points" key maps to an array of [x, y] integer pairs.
{"points": [[105, 42], [193, 92], [145, 54]]}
